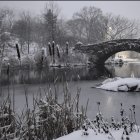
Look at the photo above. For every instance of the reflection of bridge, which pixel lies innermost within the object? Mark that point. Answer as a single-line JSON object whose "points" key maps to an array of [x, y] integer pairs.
{"points": [[99, 53]]}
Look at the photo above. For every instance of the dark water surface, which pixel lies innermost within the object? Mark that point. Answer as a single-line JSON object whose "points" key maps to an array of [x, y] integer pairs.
{"points": [[37, 81]]}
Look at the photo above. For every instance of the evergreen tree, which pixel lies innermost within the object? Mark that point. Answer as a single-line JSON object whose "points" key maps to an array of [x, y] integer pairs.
{"points": [[50, 25]]}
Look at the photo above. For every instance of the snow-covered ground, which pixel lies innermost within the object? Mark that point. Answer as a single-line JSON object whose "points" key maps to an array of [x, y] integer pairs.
{"points": [[116, 135], [121, 84]]}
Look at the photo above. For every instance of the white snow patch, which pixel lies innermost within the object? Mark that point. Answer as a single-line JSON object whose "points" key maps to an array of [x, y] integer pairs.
{"points": [[121, 84], [116, 135]]}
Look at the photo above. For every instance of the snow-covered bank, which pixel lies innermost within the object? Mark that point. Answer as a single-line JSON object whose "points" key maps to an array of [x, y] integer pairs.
{"points": [[121, 84], [116, 135], [102, 129]]}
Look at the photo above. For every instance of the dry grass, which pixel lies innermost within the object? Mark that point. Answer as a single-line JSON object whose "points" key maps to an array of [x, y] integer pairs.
{"points": [[47, 120]]}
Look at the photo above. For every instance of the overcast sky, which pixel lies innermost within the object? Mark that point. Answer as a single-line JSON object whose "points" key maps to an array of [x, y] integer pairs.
{"points": [[130, 9]]}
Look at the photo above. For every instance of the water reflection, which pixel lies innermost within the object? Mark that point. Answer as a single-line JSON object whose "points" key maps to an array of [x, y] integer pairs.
{"points": [[46, 75], [88, 77], [126, 70], [95, 73], [38, 76]]}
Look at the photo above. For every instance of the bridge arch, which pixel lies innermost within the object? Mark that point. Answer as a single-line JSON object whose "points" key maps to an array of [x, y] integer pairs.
{"points": [[99, 53]]}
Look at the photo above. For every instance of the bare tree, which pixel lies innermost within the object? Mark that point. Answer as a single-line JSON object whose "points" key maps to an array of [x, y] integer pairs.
{"points": [[26, 16], [6, 23], [23, 29], [120, 28], [38, 32], [89, 24], [6, 19], [75, 28], [61, 32], [19, 30]]}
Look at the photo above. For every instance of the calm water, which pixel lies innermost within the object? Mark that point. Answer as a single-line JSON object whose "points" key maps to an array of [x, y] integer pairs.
{"points": [[36, 81]]}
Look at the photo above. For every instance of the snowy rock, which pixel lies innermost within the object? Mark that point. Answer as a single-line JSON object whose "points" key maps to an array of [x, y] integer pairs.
{"points": [[121, 84], [123, 88], [110, 80], [78, 44]]}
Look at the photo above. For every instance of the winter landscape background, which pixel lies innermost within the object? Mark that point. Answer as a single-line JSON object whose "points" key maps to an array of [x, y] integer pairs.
{"points": [[49, 90]]}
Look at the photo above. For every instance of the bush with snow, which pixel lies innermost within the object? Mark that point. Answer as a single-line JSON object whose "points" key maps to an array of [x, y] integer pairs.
{"points": [[27, 59], [40, 59], [13, 61]]}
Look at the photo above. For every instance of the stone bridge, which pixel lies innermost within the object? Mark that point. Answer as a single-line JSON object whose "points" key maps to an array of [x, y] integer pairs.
{"points": [[99, 53]]}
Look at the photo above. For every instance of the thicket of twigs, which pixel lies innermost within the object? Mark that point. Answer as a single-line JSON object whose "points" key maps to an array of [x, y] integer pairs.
{"points": [[47, 120]]}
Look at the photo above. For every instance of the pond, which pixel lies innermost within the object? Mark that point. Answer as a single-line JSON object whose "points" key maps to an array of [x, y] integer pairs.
{"points": [[38, 81]]}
